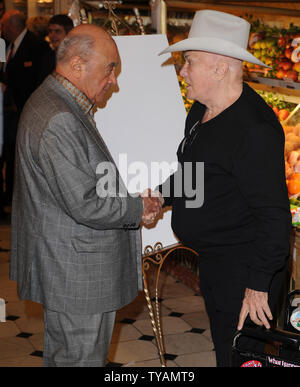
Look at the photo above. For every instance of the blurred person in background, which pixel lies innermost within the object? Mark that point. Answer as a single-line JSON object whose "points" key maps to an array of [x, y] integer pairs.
{"points": [[39, 26], [58, 28], [29, 60], [2, 8]]}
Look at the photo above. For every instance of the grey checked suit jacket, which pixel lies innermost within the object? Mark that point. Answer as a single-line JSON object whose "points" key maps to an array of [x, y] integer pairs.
{"points": [[71, 250]]}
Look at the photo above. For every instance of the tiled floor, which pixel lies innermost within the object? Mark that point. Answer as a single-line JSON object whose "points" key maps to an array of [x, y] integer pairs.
{"points": [[184, 323]]}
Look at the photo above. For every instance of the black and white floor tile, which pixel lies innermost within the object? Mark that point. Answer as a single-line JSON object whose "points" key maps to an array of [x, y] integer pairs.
{"points": [[184, 325]]}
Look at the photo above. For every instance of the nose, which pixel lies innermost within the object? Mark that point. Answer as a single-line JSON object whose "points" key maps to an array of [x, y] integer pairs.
{"points": [[113, 78], [183, 70]]}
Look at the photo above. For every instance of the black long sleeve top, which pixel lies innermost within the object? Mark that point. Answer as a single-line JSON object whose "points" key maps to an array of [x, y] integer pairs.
{"points": [[245, 194]]}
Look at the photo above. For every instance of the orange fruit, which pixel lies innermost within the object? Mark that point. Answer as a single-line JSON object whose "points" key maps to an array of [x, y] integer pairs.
{"points": [[287, 129], [295, 176], [293, 186]]}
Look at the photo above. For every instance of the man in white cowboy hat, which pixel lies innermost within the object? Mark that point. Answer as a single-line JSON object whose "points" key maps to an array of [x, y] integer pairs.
{"points": [[241, 231]]}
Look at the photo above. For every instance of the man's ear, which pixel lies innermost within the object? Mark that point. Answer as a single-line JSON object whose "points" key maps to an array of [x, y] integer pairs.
{"points": [[221, 69], [76, 66]]}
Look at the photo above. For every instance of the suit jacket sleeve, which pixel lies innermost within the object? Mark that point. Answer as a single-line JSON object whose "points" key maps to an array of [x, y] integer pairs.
{"points": [[260, 175], [63, 159]]}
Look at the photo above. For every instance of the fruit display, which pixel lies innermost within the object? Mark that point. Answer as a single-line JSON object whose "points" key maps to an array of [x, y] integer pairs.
{"points": [[277, 48], [295, 211], [187, 102], [291, 129], [281, 108]]}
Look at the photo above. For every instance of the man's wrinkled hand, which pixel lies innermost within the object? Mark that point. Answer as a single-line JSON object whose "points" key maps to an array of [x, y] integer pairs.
{"points": [[255, 304], [152, 203]]}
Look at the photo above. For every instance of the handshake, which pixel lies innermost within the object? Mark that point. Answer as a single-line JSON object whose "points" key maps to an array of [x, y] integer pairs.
{"points": [[152, 204]]}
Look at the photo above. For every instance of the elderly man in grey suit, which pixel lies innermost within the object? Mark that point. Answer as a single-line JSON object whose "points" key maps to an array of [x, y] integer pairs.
{"points": [[75, 244]]}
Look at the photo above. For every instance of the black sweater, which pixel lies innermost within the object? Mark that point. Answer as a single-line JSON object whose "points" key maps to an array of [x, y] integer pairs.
{"points": [[245, 194]]}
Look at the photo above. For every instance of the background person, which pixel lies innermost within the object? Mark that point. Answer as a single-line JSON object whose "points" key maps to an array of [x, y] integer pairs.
{"points": [[38, 25], [28, 61], [58, 27], [2, 8]]}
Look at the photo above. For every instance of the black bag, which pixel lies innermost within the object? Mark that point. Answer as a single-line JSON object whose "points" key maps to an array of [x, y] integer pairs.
{"points": [[282, 349]]}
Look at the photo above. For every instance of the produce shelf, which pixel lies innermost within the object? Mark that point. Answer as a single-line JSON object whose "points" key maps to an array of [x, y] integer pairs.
{"points": [[290, 94]]}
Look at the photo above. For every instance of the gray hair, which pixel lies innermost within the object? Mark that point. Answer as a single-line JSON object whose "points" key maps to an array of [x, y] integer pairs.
{"points": [[76, 45]]}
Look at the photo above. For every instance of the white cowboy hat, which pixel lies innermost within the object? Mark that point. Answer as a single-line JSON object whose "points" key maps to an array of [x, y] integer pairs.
{"points": [[218, 33]]}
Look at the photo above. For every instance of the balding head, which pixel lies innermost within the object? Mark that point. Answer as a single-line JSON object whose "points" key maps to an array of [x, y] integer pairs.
{"points": [[13, 23], [87, 57], [92, 30], [81, 41]]}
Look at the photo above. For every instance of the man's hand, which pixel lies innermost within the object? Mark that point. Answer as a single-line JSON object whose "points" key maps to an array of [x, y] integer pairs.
{"points": [[255, 304], [152, 202]]}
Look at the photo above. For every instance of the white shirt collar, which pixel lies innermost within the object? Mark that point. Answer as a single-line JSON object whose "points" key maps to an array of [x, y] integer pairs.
{"points": [[18, 41]]}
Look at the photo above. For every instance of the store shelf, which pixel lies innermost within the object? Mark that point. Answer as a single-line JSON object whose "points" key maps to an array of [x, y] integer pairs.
{"points": [[289, 95], [280, 17], [291, 90], [233, 8]]}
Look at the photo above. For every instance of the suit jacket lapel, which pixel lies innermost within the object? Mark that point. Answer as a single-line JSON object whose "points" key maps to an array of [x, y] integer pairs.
{"points": [[92, 129], [18, 57]]}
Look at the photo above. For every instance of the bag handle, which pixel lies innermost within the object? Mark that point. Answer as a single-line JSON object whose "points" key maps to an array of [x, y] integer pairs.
{"points": [[292, 340]]}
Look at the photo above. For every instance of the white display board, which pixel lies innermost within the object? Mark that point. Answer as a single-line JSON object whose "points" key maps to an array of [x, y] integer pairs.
{"points": [[143, 121]]}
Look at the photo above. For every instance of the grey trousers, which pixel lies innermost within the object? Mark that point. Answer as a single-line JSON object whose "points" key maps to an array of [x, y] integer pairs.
{"points": [[77, 340]]}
